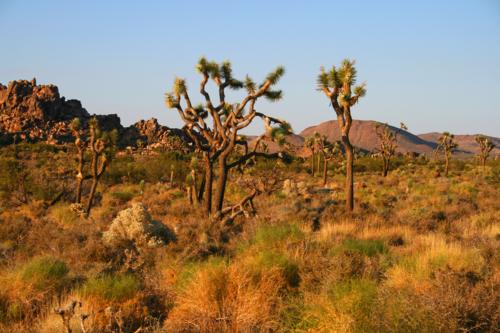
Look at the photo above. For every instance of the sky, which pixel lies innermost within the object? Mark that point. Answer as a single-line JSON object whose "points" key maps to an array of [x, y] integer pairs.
{"points": [[434, 65]]}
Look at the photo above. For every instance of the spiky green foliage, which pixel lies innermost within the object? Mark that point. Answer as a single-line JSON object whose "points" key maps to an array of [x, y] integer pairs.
{"points": [[249, 85], [360, 90], [180, 87], [347, 72], [170, 100], [76, 124], [275, 75], [273, 95]]}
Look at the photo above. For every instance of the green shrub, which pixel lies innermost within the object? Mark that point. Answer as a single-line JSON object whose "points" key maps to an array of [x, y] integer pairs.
{"points": [[270, 234], [111, 287], [123, 196], [289, 269], [368, 247], [44, 273]]}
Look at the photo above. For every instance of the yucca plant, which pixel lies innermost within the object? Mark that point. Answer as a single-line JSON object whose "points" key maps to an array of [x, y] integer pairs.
{"points": [[339, 86]]}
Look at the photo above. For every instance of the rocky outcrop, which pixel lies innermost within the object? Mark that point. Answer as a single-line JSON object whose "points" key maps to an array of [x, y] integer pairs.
{"points": [[153, 135], [34, 113]]}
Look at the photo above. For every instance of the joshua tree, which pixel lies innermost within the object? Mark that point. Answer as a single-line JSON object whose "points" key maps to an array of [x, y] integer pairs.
{"points": [[80, 144], [448, 145], [486, 147], [329, 151], [216, 139], [98, 141], [310, 144], [387, 145], [337, 84]]}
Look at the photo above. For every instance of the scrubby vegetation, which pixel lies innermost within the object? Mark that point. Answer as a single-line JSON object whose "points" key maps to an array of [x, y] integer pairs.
{"points": [[283, 247], [415, 247]]}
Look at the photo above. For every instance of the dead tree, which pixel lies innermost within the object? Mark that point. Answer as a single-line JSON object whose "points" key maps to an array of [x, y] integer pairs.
{"points": [[217, 138], [80, 144], [337, 84], [387, 144], [447, 144], [485, 146]]}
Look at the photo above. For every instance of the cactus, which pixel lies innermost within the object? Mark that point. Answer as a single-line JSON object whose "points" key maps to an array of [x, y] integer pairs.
{"points": [[486, 146], [447, 144], [217, 139], [387, 144], [338, 85]]}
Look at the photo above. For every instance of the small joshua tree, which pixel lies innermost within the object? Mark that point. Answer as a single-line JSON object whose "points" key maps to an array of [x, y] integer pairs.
{"points": [[329, 152], [486, 146], [448, 145], [98, 142], [310, 144], [387, 144], [80, 144], [217, 138], [338, 84]]}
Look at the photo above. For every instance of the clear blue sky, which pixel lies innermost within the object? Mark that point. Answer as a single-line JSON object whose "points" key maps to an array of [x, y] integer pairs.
{"points": [[433, 64]]}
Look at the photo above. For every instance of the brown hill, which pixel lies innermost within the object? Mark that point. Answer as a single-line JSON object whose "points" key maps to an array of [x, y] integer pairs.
{"points": [[363, 136], [466, 143]]}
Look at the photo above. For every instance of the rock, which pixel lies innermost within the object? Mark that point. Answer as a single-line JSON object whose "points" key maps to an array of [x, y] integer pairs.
{"points": [[136, 225], [31, 112]]}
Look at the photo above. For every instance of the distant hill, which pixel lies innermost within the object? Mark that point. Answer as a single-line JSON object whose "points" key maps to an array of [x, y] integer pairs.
{"points": [[363, 136], [466, 143]]}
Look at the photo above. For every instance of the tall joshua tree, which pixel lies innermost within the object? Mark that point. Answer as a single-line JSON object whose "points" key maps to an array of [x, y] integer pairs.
{"points": [[486, 146], [387, 144], [338, 84], [447, 144], [216, 138]]}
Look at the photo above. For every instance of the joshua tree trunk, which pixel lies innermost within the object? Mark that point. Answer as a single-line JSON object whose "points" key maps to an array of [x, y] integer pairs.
{"points": [[318, 163], [221, 183], [312, 164], [349, 181], [385, 167], [92, 193], [205, 193], [446, 164], [325, 171], [79, 176]]}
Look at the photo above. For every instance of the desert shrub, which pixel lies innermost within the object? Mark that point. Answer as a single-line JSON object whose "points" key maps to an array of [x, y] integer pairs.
{"points": [[135, 225], [123, 196], [368, 247], [64, 214], [272, 234], [44, 273], [355, 298], [227, 299], [288, 268], [111, 287]]}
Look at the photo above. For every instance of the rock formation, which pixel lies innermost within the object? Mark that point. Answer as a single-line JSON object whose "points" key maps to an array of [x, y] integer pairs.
{"points": [[37, 113]]}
